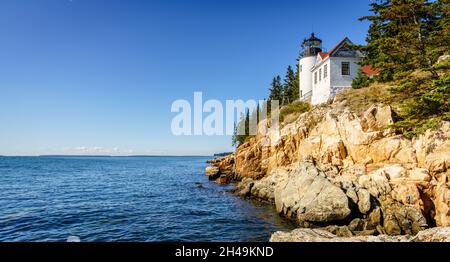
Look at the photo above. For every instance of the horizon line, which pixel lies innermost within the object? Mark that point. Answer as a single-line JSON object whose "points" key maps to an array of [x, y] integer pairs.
{"points": [[105, 155]]}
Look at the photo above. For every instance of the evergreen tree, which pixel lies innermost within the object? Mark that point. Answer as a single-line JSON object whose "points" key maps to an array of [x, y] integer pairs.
{"points": [[399, 36], [288, 87], [241, 130], [247, 123], [296, 84], [405, 40], [276, 89], [439, 37], [234, 138], [253, 121]]}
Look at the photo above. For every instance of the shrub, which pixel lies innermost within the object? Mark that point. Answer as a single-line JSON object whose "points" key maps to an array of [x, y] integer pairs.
{"points": [[362, 80]]}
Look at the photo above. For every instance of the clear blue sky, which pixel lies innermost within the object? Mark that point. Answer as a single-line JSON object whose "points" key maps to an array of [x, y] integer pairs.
{"points": [[99, 76]]}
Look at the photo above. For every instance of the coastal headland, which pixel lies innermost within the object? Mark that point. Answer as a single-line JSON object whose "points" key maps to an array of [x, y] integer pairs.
{"points": [[343, 171]]}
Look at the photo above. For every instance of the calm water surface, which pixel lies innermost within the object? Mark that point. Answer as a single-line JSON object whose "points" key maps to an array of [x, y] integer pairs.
{"points": [[124, 199]]}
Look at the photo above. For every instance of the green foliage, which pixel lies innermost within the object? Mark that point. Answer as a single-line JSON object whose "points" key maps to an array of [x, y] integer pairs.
{"points": [[248, 124], [361, 80], [290, 87], [288, 91], [406, 35], [276, 89], [436, 100], [427, 108], [405, 40], [241, 131], [296, 84], [439, 36], [414, 127]]}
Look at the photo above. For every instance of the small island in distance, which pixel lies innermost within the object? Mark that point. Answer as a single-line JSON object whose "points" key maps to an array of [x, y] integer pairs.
{"points": [[222, 154]]}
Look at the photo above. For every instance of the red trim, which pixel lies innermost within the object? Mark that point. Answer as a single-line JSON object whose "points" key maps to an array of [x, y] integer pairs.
{"points": [[369, 70], [323, 55]]}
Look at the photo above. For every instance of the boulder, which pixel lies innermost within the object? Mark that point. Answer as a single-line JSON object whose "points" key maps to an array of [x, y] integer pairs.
{"points": [[408, 194], [245, 187], [377, 183], [377, 118], [438, 234], [401, 219], [433, 149], [356, 224], [264, 188], [374, 218], [226, 165], [442, 200], [319, 235], [342, 231], [363, 200], [419, 174], [352, 195], [303, 235], [394, 171], [308, 196], [222, 180], [212, 172], [393, 149]]}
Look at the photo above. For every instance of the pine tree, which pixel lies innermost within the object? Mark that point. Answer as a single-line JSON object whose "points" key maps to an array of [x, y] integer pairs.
{"points": [[247, 123], [241, 130], [276, 89], [439, 37], [296, 84], [399, 36], [288, 86], [234, 138], [405, 40]]}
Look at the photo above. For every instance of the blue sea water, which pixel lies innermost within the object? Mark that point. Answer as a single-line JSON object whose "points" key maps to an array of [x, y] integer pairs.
{"points": [[124, 199]]}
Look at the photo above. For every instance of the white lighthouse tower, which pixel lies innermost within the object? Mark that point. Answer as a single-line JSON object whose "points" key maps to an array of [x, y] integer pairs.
{"points": [[311, 48]]}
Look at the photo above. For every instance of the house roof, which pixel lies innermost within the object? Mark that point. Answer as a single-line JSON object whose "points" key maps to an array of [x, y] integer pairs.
{"points": [[336, 47], [369, 70], [324, 55]]}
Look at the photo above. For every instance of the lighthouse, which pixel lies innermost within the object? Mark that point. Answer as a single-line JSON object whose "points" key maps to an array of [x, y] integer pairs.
{"points": [[311, 48]]}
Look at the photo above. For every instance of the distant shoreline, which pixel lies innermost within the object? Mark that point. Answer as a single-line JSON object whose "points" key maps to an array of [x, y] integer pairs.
{"points": [[93, 156]]}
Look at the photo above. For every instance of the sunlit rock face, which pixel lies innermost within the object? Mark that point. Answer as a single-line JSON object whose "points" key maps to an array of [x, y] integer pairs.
{"points": [[331, 166], [438, 234]]}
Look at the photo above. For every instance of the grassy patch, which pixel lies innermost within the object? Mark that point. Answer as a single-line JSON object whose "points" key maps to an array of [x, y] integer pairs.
{"points": [[290, 112], [359, 100], [419, 101]]}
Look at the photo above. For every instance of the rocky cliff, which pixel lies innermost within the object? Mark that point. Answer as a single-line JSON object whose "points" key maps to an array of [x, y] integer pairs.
{"points": [[347, 172]]}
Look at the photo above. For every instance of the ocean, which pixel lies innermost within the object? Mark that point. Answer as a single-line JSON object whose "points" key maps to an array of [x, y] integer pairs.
{"points": [[125, 199]]}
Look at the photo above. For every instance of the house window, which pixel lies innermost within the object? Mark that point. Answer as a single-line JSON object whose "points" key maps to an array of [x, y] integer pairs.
{"points": [[345, 68], [300, 68], [320, 74], [315, 78], [325, 71]]}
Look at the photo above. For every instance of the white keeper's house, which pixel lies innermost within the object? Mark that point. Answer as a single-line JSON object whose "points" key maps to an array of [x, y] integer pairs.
{"points": [[324, 74]]}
